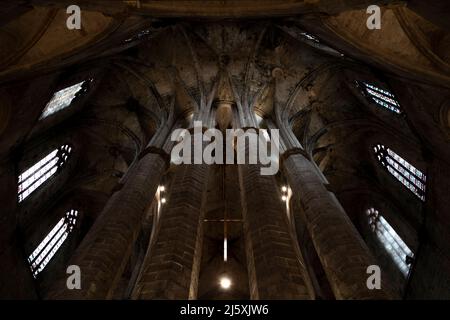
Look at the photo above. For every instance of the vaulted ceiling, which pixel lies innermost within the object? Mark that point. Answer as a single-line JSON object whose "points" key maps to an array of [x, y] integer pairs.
{"points": [[407, 41], [152, 64]]}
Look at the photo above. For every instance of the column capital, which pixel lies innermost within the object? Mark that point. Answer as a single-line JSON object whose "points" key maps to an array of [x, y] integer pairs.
{"points": [[156, 150], [191, 130], [218, 102], [247, 128], [293, 151]]}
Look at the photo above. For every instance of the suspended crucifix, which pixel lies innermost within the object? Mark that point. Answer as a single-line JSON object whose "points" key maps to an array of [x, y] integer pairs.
{"points": [[225, 218]]}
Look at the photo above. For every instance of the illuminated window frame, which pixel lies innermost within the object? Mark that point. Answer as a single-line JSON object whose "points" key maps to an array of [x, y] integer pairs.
{"points": [[391, 241], [63, 98], [380, 96], [48, 247], [34, 177], [411, 177]]}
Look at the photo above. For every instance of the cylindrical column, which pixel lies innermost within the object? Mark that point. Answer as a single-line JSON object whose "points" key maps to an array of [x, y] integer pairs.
{"points": [[275, 266], [171, 267], [342, 252], [104, 252]]}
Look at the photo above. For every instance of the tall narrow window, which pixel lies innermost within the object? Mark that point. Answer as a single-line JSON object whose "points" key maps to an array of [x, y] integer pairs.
{"points": [[381, 97], [394, 245], [62, 99], [34, 177], [402, 170], [45, 251]]}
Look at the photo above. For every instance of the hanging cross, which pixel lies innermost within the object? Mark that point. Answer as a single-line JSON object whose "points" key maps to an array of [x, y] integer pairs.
{"points": [[225, 219], [225, 233]]}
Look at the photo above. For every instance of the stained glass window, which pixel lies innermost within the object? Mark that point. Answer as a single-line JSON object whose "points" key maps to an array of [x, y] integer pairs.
{"points": [[402, 170], [62, 99], [48, 247], [380, 96], [44, 169], [391, 241]]}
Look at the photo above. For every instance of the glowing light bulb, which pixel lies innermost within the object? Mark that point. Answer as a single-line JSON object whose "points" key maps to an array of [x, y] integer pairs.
{"points": [[284, 198], [225, 283], [284, 189], [163, 200], [162, 188]]}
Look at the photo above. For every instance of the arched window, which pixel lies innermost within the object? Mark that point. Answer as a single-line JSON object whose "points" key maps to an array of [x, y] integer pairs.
{"points": [[391, 241], [48, 247], [402, 170], [34, 177], [380, 96], [63, 98]]}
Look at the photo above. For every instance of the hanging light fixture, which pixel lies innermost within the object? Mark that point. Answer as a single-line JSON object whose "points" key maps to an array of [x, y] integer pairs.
{"points": [[225, 282]]}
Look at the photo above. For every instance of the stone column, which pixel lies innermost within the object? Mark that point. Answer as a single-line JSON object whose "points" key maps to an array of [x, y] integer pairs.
{"points": [[342, 252], [275, 266], [104, 252], [171, 267]]}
